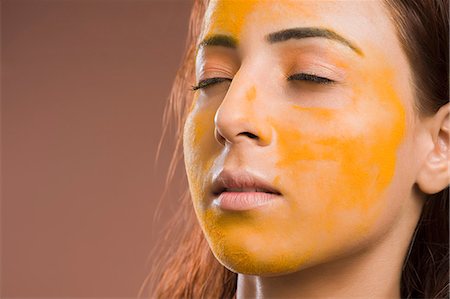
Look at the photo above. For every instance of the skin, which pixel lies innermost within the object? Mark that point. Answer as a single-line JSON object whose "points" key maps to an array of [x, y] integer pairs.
{"points": [[344, 155]]}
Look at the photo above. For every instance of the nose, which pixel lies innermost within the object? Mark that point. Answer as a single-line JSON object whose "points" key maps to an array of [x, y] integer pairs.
{"points": [[241, 117]]}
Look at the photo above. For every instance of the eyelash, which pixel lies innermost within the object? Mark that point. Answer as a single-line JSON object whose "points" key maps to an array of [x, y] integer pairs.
{"points": [[207, 82], [310, 77], [296, 77]]}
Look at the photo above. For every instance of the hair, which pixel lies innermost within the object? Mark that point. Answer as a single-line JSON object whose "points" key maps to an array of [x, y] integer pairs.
{"points": [[191, 271]]}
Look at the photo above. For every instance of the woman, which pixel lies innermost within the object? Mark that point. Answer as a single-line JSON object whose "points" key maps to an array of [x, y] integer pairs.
{"points": [[316, 146]]}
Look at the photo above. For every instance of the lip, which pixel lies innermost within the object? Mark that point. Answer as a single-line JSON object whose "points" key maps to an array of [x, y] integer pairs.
{"points": [[241, 190]]}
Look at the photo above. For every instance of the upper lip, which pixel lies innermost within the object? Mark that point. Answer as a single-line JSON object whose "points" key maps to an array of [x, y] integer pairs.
{"points": [[240, 180]]}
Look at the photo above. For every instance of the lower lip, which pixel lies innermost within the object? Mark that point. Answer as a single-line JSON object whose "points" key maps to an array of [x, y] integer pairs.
{"points": [[243, 201]]}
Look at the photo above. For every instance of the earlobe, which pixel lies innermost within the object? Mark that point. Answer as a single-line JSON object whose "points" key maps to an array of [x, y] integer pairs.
{"points": [[434, 174]]}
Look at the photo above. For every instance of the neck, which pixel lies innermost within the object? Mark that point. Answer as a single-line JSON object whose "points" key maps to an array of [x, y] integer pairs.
{"points": [[374, 272]]}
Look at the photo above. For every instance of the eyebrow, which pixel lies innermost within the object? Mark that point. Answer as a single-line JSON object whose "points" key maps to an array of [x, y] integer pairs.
{"points": [[226, 41], [308, 32]]}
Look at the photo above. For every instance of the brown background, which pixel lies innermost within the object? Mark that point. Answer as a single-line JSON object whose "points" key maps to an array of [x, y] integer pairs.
{"points": [[83, 89]]}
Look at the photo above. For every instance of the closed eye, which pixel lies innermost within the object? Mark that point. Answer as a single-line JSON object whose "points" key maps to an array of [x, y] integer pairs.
{"points": [[311, 78], [208, 82]]}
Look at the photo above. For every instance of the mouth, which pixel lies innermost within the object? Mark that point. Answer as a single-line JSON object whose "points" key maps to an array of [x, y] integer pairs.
{"points": [[242, 191]]}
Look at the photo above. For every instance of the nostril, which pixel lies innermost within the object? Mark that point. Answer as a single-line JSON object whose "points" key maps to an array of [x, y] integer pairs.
{"points": [[219, 137], [249, 135]]}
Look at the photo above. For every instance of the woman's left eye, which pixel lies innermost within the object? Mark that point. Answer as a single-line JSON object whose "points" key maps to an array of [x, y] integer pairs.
{"points": [[311, 78]]}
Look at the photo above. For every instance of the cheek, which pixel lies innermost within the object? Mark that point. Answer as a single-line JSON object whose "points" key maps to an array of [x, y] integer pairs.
{"points": [[337, 165], [200, 150]]}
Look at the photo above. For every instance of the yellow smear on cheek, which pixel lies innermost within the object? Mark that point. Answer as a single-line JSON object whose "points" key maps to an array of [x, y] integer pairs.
{"points": [[342, 169], [201, 126], [307, 136]]}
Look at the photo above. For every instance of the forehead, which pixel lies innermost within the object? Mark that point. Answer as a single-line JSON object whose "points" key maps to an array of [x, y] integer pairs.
{"points": [[363, 20]]}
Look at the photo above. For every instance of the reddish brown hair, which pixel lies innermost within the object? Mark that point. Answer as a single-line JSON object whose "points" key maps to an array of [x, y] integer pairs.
{"points": [[190, 270]]}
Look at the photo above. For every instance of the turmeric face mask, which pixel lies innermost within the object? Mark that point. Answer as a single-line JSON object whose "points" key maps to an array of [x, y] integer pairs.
{"points": [[293, 145]]}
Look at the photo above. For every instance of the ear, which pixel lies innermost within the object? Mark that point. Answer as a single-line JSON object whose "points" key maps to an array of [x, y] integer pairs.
{"points": [[434, 173]]}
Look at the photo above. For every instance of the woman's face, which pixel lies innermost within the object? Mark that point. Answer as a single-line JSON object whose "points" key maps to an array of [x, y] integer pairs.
{"points": [[318, 112]]}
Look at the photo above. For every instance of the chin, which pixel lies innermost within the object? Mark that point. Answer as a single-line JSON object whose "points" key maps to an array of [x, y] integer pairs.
{"points": [[270, 261], [265, 262]]}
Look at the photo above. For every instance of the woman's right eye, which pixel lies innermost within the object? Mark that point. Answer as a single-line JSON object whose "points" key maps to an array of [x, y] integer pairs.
{"points": [[208, 82]]}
